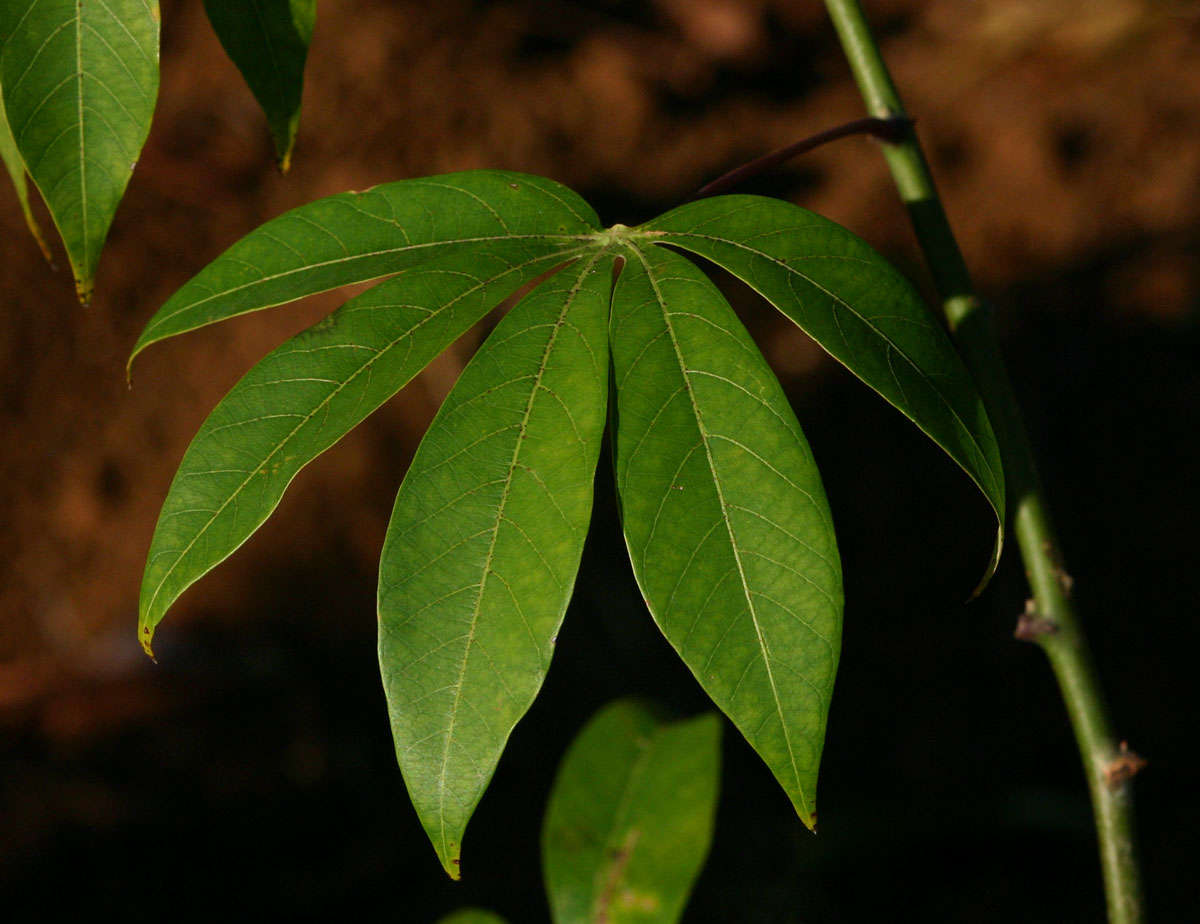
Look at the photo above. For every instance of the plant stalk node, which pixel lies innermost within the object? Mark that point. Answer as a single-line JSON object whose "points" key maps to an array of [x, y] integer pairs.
{"points": [[1031, 625], [1124, 767]]}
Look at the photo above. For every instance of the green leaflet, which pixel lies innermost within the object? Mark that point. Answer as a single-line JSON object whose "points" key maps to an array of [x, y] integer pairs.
{"points": [[861, 310], [16, 171], [268, 41], [484, 543], [79, 80], [355, 237], [630, 817], [724, 513], [472, 916], [307, 394]]}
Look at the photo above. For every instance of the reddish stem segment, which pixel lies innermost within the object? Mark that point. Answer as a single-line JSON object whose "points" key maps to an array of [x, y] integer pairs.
{"points": [[891, 128]]}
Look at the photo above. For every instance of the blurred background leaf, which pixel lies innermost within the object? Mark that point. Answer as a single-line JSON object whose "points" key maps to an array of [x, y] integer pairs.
{"points": [[629, 821]]}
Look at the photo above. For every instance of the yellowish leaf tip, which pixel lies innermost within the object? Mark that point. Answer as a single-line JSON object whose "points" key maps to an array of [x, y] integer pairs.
{"points": [[145, 635], [83, 289]]}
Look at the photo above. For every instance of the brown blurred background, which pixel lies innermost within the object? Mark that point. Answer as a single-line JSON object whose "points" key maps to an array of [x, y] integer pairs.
{"points": [[251, 769]]}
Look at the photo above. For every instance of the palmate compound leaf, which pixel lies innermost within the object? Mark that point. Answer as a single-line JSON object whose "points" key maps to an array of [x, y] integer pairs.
{"points": [[860, 309], [630, 818], [723, 509], [308, 393], [485, 540], [80, 79], [724, 513], [359, 236], [268, 41]]}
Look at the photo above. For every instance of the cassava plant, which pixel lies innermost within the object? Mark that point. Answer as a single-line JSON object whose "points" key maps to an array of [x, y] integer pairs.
{"points": [[722, 508], [721, 503]]}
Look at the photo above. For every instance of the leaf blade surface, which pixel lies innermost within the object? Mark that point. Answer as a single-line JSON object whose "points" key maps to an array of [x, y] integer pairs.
{"points": [[724, 513], [630, 817], [268, 41], [304, 396], [484, 543], [861, 310], [356, 237], [80, 78]]}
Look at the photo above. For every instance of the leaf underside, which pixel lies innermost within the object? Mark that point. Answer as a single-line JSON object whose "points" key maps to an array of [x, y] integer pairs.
{"points": [[722, 506], [79, 80], [268, 41], [484, 543], [724, 513], [630, 817]]}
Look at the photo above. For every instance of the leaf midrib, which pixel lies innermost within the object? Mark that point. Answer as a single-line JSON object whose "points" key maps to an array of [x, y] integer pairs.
{"points": [[325, 401], [83, 198], [704, 436]]}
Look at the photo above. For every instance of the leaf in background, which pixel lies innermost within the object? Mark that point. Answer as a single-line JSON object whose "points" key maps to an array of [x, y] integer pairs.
{"points": [[860, 309], [484, 543], [472, 916], [357, 237], [268, 41], [79, 80], [630, 817], [724, 513], [16, 170], [303, 397]]}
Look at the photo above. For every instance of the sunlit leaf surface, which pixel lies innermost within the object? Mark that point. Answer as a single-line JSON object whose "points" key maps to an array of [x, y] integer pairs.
{"points": [[355, 237], [304, 396], [724, 514], [484, 543], [859, 308]]}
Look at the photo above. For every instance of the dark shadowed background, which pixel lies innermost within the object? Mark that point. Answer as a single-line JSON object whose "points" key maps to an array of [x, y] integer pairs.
{"points": [[250, 771]]}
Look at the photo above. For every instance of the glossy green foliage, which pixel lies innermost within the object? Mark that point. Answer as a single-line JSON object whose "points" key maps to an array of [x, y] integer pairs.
{"points": [[355, 237], [728, 529], [268, 41], [631, 817], [859, 308], [80, 79], [306, 395], [16, 172], [484, 543], [722, 505]]}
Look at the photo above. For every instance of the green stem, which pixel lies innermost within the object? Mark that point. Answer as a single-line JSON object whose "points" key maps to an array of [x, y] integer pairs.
{"points": [[1053, 624]]}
